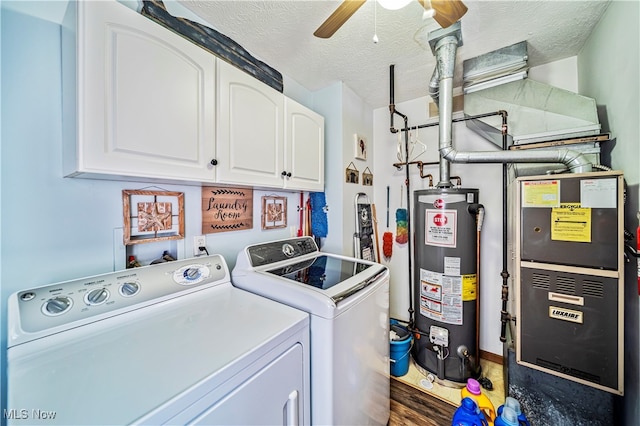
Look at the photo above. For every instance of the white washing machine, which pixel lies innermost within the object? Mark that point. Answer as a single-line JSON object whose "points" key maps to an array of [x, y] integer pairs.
{"points": [[171, 343], [348, 301]]}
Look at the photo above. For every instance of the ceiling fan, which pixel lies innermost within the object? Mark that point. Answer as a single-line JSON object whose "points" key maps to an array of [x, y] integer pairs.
{"points": [[447, 12]]}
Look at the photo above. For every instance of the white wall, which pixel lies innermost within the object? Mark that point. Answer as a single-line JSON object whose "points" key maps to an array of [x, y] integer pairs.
{"points": [[345, 115], [609, 71]]}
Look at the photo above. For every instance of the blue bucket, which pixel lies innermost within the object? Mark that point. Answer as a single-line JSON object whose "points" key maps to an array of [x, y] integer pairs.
{"points": [[399, 355]]}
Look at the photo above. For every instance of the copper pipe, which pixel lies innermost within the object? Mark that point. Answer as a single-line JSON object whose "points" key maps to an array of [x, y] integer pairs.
{"points": [[421, 165]]}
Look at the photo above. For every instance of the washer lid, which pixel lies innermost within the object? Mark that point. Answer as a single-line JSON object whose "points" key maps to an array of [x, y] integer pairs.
{"points": [[322, 272], [117, 370]]}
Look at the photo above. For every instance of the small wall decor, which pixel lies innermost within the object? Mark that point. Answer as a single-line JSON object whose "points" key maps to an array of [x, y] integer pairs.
{"points": [[274, 212], [351, 173], [367, 177], [226, 209], [360, 147], [152, 216]]}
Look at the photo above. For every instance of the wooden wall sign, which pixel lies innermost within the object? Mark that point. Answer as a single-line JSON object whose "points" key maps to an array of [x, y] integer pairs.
{"points": [[226, 209]]}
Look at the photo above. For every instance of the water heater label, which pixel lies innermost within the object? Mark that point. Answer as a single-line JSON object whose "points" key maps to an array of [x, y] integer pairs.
{"points": [[441, 296], [440, 228]]}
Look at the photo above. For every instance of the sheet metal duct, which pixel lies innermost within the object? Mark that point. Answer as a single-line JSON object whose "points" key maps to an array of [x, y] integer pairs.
{"points": [[444, 44], [537, 112]]}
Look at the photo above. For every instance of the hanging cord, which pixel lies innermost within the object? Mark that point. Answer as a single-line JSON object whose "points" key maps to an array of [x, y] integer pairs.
{"points": [[375, 22]]}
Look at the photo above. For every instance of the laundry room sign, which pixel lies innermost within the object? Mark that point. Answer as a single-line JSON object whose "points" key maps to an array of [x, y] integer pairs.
{"points": [[226, 209]]}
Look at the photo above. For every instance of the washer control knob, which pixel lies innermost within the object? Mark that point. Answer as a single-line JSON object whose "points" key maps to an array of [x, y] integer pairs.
{"points": [[191, 273], [97, 296], [57, 305], [129, 289]]}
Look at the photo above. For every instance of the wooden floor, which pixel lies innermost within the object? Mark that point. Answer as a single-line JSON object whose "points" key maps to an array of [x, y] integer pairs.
{"points": [[411, 406]]}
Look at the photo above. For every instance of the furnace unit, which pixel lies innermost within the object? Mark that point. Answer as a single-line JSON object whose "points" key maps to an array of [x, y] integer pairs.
{"points": [[570, 277]]}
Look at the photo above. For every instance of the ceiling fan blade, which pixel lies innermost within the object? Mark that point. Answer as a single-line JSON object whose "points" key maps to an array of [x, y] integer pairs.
{"points": [[447, 12], [338, 18]]}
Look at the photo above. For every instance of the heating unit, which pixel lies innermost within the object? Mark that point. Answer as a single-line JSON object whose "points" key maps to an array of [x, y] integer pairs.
{"points": [[570, 277]]}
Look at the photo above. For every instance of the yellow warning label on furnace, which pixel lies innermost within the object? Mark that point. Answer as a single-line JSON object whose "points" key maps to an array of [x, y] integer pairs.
{"points": [[541, 193], [469, 287], [570, 222]]}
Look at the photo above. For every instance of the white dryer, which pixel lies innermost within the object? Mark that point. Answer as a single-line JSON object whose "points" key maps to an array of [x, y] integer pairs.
{"points": [[348, 301], [169, 343]]}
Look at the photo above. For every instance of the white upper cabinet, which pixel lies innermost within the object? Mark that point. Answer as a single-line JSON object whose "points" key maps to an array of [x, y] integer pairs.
{"points": [[264, 138], [143, 103], [250, 134], [304, 149], [144, 98]]}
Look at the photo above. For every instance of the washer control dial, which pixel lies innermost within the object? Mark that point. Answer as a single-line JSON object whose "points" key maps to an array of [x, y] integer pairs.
{"points": [[191, 274], [129, 289], [96, 297], [57, 305]]}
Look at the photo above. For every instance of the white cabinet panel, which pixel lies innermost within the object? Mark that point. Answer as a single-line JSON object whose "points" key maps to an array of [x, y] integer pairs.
{"points": [[273, 396], [304, 148], [145, 98], [250, 137]]}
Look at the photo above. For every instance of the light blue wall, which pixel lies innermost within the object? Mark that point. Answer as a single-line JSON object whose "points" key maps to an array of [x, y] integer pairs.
{"points": [[328, 103], [53, 228], [608, 71]]}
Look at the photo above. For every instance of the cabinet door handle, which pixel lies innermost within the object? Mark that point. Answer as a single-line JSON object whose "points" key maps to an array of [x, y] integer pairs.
{"points": [[288, 174], [290, 410], [214, 162], [284, 173]]}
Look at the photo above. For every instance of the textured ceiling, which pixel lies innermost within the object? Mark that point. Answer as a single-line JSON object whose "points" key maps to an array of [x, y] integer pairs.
{"points": [[280, 33]]}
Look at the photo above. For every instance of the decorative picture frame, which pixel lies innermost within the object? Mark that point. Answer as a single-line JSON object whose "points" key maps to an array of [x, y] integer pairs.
{"points": [[274, 212], [367, 177], [351, 174], [360, 147], [151, 216]]}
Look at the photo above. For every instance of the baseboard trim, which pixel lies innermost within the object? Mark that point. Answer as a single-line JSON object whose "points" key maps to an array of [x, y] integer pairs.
{"points": [[490, 356]]}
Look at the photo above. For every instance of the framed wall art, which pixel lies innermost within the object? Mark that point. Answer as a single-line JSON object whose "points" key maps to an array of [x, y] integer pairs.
{"points": [[360, 147], [351, 174], [152, 216], [274, 212], [367, 177]]}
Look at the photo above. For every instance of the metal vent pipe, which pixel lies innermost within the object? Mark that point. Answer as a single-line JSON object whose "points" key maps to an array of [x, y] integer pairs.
{"points": [[444, 45]]}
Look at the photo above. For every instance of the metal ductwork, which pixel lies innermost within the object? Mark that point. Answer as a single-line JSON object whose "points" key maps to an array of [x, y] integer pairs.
{"points": [[444, 44]]}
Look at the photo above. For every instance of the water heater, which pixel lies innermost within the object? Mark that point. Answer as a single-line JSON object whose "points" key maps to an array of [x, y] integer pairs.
{"points": [[445, 279], [570, 277]]}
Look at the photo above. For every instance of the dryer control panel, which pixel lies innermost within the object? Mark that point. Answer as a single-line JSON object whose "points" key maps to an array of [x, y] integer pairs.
{"points": [[71, 303]]}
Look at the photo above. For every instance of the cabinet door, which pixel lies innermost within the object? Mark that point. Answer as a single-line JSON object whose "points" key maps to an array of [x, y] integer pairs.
{"points": [[304, 151], [146, 97], [250, 137], [273, 396]]}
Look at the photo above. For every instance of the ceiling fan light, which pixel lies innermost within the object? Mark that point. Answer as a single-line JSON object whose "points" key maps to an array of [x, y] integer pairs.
{"points": [[393, 4], [428, 13]]}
